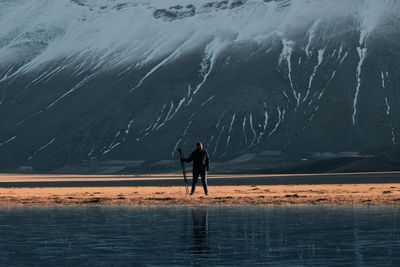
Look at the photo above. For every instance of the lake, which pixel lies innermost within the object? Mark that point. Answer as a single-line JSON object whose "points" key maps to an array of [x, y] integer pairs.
{"points": [[184, 236]]}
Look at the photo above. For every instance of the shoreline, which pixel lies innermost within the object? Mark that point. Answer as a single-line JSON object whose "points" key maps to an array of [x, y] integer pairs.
{"points": [[276, 195], [357, 189]]}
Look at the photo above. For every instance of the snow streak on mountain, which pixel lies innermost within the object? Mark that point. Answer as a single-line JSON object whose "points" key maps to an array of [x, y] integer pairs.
{"points": [[135, 80]]}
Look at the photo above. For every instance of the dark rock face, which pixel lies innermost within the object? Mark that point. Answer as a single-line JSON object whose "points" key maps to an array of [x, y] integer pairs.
{"points": [[218, 5], [244, 80], [175, 12]]}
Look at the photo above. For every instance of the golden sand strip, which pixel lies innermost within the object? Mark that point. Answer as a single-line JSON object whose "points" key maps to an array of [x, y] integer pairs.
{"points": [[274, 195]]}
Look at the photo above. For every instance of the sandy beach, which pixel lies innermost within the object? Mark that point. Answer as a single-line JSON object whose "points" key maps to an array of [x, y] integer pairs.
{"points": [[106, 190]]}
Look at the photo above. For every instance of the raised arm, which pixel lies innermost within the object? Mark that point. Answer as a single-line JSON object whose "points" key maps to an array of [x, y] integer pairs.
{"points": [[189, 159]]}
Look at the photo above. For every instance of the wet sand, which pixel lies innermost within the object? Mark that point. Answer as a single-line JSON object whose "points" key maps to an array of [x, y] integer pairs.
{"points": [[86, 190]]}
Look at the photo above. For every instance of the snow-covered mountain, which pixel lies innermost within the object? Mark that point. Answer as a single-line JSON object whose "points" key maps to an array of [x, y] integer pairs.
{"points": [[135, 80]]}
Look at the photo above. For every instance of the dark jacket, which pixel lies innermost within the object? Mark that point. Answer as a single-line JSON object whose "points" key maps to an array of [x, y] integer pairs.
{"points": [[201, 160]]}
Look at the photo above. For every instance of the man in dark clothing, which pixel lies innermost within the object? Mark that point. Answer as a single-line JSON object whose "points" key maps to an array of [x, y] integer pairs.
{"points": [[201, 165]]}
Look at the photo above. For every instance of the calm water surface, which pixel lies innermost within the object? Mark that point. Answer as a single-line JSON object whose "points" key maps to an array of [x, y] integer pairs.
{"points": [[182, 236]]}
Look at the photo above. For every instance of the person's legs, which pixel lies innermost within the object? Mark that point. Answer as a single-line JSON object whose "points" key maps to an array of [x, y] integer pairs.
{"points": [[194, 181], [204, 181]]}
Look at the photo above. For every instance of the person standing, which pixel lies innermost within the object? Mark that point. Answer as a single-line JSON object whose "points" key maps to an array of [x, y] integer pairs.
{"points": [[201, 165]]}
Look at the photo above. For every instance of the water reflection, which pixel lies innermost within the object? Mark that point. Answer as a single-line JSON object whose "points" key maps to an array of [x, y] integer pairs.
{"points": [[183, 236], [200, 232]]}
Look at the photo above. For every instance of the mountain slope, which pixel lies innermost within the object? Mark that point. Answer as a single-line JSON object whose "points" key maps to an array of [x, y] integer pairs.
{"points": [[135, 80]]}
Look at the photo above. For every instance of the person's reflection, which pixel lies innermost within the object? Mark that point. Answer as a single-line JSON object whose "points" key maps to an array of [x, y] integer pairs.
{"points": [[200, 232]]}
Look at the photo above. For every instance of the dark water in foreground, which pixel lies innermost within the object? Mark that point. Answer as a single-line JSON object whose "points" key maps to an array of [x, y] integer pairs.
{"points": [[173, 236]]}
